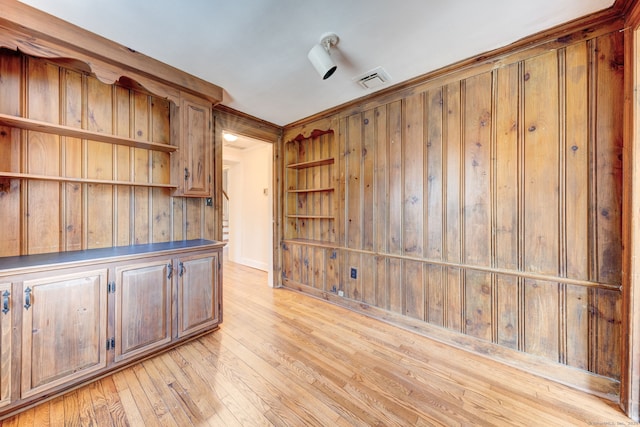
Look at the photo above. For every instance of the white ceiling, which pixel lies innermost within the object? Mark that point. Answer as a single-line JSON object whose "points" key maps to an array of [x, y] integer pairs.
{"points": [[256, 50]]}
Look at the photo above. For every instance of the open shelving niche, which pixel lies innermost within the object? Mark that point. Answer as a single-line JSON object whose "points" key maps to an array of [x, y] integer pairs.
{"points": [[310, 187], [68, 131]]}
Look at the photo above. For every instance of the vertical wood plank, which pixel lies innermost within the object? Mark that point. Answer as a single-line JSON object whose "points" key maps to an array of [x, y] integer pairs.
{"points": [[577, 331], [10, 89], [506, 168], [541, 234], [353, 287], [454, 309], [193, 218], [353, 160], [477, 163], [99, 165], [381, 181], [123, 168], [413, 175], [73, 160], [608, 156], [319, 268], [577, 162], [368, 273], [506, 203], [43, 157], [453, 152], [396, 286], [367, 180], [160, 173], [141, 126], [507, 316], [413, 277], [477, 304], [396, 194], [435, 206], [333, 271], [541, 313]]}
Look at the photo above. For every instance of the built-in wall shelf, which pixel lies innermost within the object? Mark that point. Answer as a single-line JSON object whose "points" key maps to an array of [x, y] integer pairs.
{"points": [[82, 180], [62, 130], [311, 216], [310, 182], [312, 163], [311, 190]]}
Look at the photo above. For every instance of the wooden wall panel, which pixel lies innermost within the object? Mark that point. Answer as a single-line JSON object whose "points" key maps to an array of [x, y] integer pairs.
{"points": [[396, 194], [160, 172], [47, 216], [73, 92], [490, 204], [608, 156], [477, 164], [123, 196], [381, 194], [42, 154], [541, 318], [100, 165], [367, 178], [576, 155], [413, 176], [353, 194], [10, 207], [541, 159]]}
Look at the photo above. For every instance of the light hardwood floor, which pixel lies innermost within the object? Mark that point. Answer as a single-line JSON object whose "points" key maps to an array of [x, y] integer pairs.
{"points": [[281, 358]]}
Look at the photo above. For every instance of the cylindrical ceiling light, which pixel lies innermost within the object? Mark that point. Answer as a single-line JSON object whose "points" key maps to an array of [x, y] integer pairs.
{"points": [[320, 57]]}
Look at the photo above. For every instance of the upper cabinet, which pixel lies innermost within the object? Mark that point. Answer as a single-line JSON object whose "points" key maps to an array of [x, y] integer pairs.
{"points": [[192, 130]]}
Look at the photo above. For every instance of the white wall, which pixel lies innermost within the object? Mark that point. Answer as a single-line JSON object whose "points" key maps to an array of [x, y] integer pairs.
{"points": [[250, 209]]}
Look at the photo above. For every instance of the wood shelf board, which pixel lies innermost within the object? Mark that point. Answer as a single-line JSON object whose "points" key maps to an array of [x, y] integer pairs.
{"points": [[311, 190], [309, 242], [61, 130], [312, 163], [82, 180], [311, 216]]}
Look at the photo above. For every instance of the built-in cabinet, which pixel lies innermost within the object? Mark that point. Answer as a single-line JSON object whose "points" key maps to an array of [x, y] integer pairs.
{"points": [[81, 314], [199, 305], [64, 323], [6, 347], [143, 307], [192, 168]]}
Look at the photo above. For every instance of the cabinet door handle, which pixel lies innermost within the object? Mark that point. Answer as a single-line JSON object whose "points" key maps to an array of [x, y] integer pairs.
{"points": [[187, 174], [169, 270], [5, 302], [182, 269], [27, 298]]}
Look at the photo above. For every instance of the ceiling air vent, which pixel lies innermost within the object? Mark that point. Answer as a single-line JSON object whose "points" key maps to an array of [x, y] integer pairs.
{"points": [[373, 78]]}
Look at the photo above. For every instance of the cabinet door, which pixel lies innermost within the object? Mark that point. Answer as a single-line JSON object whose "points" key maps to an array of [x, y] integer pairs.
{"points": [[5, 343], [64, 329], [143, 308], [196, 149], [198, 295]]}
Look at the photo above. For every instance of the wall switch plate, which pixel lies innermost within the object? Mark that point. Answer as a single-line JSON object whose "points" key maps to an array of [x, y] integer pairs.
{"points": [[354, 273]]}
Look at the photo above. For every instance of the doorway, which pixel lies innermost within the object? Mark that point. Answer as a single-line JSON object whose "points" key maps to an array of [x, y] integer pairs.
{"points": [[248, 202]]}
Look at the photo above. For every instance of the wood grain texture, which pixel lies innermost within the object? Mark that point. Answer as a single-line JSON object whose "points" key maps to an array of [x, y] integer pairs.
{"points": [[283, 358], [93, 204], [495, 203]]}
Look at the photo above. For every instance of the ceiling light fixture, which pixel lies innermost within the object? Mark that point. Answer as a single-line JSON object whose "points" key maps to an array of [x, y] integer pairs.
{"points": [[320, 57], [229, 137]]}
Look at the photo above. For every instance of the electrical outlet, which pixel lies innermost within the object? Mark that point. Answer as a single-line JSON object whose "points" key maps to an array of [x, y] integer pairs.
{"points": [[340, 293], [354, 273]]}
